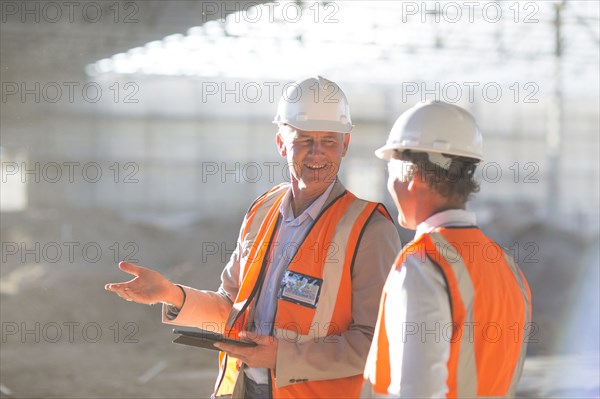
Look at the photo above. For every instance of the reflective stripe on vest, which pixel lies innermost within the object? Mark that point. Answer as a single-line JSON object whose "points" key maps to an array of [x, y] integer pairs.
{"points": [[326, 254], [490, 303]]}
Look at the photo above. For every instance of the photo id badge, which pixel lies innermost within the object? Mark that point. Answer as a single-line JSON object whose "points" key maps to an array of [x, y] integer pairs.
{"points": [[300, 289]]}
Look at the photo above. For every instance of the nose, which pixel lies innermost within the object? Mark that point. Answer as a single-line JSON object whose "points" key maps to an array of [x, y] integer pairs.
{"points": [[315, 147]]}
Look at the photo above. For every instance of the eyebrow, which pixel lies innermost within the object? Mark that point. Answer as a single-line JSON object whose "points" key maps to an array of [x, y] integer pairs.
{"points": [[325, 135]]}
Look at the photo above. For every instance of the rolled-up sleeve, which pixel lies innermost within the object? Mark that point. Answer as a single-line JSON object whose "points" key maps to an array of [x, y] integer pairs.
{"points": [[345, 355]]}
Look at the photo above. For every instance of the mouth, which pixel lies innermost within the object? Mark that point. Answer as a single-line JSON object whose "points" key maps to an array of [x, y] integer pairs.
{"points": [[316, 166]]}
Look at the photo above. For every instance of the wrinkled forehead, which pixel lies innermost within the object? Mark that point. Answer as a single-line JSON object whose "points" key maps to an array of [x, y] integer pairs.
{"points": [[293, 133]]}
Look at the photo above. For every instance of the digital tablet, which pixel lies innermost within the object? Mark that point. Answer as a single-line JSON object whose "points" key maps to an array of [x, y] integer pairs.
{"points": [[206, 339]]}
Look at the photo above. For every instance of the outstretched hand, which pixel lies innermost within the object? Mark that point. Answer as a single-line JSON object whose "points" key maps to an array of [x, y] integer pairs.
{"points": [[147, 287]]}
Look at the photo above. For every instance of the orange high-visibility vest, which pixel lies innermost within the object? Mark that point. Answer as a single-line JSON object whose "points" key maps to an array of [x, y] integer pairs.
{"points": [[490, 303], [326, 255]]}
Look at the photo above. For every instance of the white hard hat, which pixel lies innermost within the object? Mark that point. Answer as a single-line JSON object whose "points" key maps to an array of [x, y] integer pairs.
{"points": [[315, 104], [435, 128]]}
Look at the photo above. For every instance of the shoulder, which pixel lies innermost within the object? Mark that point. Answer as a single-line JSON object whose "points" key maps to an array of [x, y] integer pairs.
{"points": [[380, 232], [415, 261], [379, 239], [268, 196], [379, 218], [379, 224], [260, 209]]}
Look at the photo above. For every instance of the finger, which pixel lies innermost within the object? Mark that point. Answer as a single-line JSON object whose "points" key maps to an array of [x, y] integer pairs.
{"points": [[232, 350], [252, 336], [116, 287], [131, 268], [248, 336], [122, 290], [224, 348], [125, 293]]}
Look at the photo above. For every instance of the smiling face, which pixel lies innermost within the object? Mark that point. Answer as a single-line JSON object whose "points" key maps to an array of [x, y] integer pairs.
{"points": [[314, 158]]}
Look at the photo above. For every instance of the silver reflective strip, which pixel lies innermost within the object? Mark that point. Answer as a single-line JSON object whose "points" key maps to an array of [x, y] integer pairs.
{"points": [[261, 214], [519, 368], [249, 240], [334, 269], [466, 374]]}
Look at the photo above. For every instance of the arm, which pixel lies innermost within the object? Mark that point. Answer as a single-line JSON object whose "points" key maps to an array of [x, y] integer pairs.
{"points": [[208, 309], [417, 320], [184, 305], [346, 355], [188, 306]]}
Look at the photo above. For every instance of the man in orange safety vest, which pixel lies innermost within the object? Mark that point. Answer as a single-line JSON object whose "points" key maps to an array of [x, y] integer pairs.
{"points": [[455, 306], [307, 272]]}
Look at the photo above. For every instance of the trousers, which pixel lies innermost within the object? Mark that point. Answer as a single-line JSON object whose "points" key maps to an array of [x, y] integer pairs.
{"points": [[252, 390]]}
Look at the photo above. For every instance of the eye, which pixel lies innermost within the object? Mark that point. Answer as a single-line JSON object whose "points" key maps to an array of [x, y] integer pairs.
{"points": [[301, 140]]}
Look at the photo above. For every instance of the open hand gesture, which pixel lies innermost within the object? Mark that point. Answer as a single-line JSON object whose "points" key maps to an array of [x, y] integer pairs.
{"points": [[147, 287]]}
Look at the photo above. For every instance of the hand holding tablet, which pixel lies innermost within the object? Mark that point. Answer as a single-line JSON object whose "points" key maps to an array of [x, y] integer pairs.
{"points": [[205, 339]]}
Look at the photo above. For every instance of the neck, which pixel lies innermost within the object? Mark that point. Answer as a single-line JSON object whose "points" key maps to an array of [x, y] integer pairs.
{"points": [[303, 197], [428, 202], [443, 205]]}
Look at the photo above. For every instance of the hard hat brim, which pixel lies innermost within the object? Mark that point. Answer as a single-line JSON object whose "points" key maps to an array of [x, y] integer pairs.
{"points": [[387, 151], [318, 126]]}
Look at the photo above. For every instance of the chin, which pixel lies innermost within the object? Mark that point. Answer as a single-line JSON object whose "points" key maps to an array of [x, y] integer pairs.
{"points": [[403, 223], [313, 179]]}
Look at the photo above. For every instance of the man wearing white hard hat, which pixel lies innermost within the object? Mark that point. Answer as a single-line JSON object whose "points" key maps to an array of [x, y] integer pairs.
{"points": [[455, 306], [306, 275]]}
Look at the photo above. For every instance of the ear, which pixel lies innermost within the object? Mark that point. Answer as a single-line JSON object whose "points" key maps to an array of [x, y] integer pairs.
{"points": [[417, 182], [280, 145], [346, 144]]}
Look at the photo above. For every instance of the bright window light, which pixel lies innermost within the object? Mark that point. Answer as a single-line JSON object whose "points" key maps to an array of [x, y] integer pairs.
{"points": [[380, 42]]}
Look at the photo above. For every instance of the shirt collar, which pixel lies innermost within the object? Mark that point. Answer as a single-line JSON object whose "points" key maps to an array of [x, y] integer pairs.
{"points": [[312, 211], [452, 217]]}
